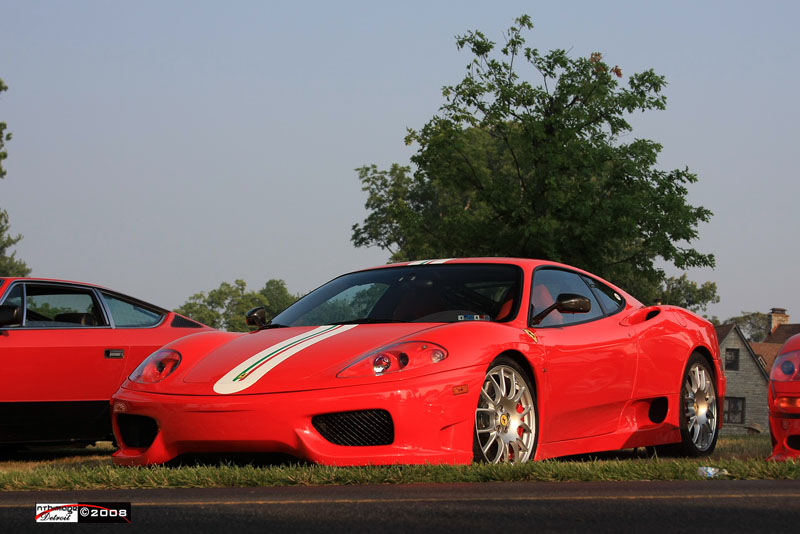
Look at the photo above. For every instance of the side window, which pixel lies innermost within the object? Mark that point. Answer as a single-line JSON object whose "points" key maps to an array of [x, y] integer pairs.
{"points": [[56, 306], [548, 284], [610, 300], [14, 297], [129, 315]]}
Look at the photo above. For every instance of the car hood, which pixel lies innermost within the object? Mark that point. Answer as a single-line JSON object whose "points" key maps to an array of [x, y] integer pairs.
{"points": [[282, 359]]}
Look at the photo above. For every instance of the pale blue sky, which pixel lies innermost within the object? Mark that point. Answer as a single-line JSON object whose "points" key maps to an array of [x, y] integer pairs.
{"points": [[161, 148]]}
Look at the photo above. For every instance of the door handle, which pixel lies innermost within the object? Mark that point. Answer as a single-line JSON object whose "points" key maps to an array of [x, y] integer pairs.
{"points": [[114, 354]]}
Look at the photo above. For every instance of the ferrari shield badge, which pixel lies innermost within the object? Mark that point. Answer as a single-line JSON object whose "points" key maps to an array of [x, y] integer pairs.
{"points": [[530, 335]]}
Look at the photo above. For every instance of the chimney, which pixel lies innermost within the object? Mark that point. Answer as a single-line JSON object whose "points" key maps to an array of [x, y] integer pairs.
{"points": [[776, 317]]}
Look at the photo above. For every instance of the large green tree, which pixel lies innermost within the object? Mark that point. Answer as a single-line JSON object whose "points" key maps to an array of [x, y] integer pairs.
{"points": [[226, 306], [9, 265], [548, 170]]}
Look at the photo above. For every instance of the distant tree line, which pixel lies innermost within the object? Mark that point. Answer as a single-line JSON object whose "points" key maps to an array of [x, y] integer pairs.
{"points": [[225, 307]]}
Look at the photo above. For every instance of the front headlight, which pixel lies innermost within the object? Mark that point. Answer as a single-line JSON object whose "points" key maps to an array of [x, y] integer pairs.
{"points": [[786, 368], [394, 358], [156, 367]]}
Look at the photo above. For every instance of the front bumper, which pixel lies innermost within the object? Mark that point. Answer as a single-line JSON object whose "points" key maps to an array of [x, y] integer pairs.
{"points": [[432, 419], [784, 422], [785, 432]]}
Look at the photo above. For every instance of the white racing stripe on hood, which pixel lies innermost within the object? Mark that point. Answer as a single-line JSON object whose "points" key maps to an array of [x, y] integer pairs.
{"points": [[252, 369], [429, 262]]}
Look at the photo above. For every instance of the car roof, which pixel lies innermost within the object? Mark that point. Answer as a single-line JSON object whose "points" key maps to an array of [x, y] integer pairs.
{"points": [[522, 262], [49, 280]]}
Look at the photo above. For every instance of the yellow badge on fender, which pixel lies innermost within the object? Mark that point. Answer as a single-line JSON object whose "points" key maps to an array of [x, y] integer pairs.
{"points": [[530, 335]]}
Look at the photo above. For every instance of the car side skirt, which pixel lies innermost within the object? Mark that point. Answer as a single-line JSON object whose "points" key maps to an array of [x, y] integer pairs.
{"points": [[54, 422]]}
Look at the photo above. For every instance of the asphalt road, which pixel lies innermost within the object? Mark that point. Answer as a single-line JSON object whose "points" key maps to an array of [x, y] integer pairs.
{"points": [[651, 507]]}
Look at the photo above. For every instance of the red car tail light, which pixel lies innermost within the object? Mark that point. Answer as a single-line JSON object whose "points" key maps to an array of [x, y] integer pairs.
{"points": [[786, 368], [156, 367], [393, 358]]}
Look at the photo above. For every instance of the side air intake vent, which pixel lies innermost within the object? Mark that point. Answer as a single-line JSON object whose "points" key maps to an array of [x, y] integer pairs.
{"points": [[137, 431], [361, 428]]}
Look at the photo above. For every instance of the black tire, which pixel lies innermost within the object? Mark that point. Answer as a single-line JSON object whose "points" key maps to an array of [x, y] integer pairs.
{"points": [[699, 409], [506, 424]]}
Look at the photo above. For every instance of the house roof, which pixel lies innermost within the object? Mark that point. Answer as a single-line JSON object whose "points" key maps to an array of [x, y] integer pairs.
{"points": [[768, 351], [782, 333], [723, 330]]}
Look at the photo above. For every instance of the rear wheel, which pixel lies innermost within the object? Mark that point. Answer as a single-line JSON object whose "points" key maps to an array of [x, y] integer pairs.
{"points": [[506, 417], [698, 409]]}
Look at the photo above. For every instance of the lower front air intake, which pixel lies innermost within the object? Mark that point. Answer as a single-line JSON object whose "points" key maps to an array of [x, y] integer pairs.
{"points": [[362, 428]]}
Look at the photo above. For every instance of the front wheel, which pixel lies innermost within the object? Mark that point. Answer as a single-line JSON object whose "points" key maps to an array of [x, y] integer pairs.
{"points": [[505, 419], [699, 409]]}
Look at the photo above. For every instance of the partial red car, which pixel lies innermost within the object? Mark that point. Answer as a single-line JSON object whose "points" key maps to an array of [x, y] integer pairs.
{"points": [[438, 361], [65, 348], [784, 401]]}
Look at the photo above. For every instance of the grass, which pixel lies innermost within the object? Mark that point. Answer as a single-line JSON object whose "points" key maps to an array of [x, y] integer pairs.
{"points": [[742, 456]]}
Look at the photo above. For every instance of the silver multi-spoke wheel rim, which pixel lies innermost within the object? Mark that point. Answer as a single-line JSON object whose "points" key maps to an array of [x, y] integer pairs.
{"points": [[700, 402], [505, 420]]}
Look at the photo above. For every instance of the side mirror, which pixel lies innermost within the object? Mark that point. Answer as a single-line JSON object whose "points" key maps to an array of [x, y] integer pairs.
{"points": [[569, 303], [565, 303], [257, 317], [10, 316]]}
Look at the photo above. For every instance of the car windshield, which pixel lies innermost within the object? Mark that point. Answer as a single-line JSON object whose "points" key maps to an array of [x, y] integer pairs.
{"points": [[419, 293]]}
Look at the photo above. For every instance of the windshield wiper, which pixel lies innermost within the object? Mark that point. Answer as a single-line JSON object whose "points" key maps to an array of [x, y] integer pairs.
{"points": [[275, 325]]}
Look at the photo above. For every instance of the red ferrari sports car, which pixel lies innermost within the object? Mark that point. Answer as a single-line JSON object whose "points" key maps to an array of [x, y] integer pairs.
{"points": [[66, 347], [784, 401], [440, 361]]}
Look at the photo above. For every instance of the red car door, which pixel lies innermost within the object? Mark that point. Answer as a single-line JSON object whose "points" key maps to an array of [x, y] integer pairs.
{"points": [[60, 367], [590, 362], [65, 351]]}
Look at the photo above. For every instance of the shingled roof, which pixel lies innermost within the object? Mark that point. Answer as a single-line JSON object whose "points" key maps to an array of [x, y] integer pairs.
{"points": [[782, 333], [767, 351], [723, 330]]}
